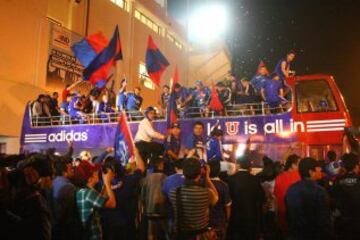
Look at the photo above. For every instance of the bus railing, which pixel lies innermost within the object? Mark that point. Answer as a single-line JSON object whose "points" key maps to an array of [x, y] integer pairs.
{"points": [[133, 116]]}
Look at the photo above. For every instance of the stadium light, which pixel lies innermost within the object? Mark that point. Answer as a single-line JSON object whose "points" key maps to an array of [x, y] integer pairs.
{"points": [[208, 24]]}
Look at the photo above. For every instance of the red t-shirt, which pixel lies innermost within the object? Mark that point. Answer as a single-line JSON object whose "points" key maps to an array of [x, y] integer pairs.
{"points": [[282, 183], [64, 94]]}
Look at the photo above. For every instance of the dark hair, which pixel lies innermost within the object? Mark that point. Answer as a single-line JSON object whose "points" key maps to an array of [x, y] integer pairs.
{"points": [[292, 159], [40, 96], [305, 165], [214, 168], [269, 172], [198, 123], [244, 79], [291, 52], [331, 155], [41, 163], [166, 86], [179, 163], [267, 161], [110, 163], [138, 88], [177, 85], [244, 162], [191, 168], [55, 93], [60, 165], [350, 160]]}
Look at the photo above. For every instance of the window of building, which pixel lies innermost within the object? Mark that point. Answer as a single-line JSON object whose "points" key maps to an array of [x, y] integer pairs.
{"points": [[144, 77], [171, 38], [122, 4], [148, 22], [137, 14], [314, 96]]}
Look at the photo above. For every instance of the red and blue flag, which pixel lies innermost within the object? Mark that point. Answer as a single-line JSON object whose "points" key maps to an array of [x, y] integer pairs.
{"points": [[98, 55], [123, 141], [156, 63], [171, 107]]}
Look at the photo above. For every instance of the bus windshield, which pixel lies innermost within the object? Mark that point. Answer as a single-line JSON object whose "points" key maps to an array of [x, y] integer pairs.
{"points": [[314, 96]]}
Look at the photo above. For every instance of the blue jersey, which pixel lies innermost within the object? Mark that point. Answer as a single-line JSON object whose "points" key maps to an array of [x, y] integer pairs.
{"points": [[194, 141], [65, 106], [272, 89], [105, 107], [121, 100], [214, 149], [258, 82], [133, 102], [182, 95], [200, 98], [173, 144], [72, 109], [278, 70]]}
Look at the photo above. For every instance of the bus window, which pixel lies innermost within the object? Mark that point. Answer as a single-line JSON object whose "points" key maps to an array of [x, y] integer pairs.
{"points": [[314, 96]]}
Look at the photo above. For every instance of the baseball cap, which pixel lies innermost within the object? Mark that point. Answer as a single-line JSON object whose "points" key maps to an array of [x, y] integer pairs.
{"points": [[85, 170]]}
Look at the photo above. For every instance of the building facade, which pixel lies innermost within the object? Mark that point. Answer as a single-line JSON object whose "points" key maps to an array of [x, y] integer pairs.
{"points": [[36, 52]]}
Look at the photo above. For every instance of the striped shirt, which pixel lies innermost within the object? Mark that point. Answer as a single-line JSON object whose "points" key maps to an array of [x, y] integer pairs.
{"points": [[87, 200], [195, 203]]}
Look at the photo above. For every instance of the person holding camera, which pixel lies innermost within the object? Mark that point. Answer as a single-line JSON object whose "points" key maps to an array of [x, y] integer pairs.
{"points": [[89, 201], [191, 202]]}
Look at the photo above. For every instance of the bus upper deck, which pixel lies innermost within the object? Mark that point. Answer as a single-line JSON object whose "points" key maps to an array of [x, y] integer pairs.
{"points": [[313, 120]]}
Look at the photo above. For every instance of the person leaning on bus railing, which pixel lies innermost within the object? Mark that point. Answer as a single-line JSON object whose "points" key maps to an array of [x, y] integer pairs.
{"points": [[273, 93]]}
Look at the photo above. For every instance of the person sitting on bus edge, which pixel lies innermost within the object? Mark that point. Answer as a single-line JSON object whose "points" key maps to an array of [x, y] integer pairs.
{"points": [[37, 108], [164, 99], [75, 107], [196, 141], [105, 109], [214, 145], [260, 78], [182, 99], [224, 94], [172, 147], [64, 109], [247, 95], [273, 93], [54, 105], [282, 69], [133, 103], [235, 88], [200, 97], [145, 135], [121, 96]]}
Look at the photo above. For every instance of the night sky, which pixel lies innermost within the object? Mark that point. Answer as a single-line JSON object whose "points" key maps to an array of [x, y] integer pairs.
{"points": [[324, 33]]}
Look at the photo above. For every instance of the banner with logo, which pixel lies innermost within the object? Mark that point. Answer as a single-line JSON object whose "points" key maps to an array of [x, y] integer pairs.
{"points": [[62, 67]]}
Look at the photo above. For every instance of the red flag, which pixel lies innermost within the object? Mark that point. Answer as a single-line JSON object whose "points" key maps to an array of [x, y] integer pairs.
{"points": [[262, 64], [123, 141], [215, 103], [171, 108]]}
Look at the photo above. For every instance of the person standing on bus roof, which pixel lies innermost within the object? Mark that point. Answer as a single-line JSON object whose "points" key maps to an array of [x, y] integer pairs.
{"points": [[282, 69], [148, 149], [260, 78], [273, 93], [164, 98], [121, 96], [196, 141]]}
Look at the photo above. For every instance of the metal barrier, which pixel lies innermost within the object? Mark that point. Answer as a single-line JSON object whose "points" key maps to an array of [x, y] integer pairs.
{"points": [[254, 109]]}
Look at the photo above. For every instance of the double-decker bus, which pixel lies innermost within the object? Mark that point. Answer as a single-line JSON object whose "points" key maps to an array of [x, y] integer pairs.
{"points": [[314, 121]]}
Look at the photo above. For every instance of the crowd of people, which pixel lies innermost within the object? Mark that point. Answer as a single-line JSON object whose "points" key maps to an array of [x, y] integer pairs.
{"points": [[244, 96], [161, 194]]}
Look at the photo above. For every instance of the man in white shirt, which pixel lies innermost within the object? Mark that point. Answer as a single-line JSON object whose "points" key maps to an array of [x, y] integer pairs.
{"points": [[145, 135]]}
